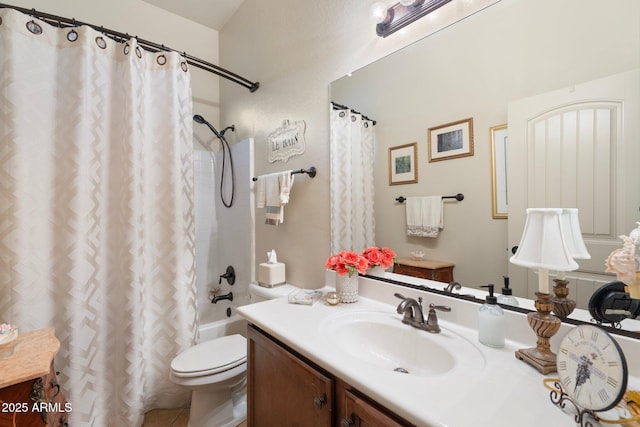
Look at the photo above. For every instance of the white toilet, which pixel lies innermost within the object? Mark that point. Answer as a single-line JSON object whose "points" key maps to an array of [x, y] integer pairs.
{"points": [[216, 372]]}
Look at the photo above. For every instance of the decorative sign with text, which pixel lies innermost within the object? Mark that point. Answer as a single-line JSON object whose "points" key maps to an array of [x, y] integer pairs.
{"points": [[287, 141]]}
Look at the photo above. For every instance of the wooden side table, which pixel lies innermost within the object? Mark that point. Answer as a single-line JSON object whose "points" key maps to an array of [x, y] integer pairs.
{"points": [[29, 389], [440, 271]]}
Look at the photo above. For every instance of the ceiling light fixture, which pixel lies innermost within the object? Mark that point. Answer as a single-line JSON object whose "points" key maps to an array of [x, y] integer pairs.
{"points": [[404, 13]]}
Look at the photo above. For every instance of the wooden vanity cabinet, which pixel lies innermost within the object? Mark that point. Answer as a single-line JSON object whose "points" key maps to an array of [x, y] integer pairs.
{"points": [[354, 409], [440, 271], [286, 389], [282, 389]]}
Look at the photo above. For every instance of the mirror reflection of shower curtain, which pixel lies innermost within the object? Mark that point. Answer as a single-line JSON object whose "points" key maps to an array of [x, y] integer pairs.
{"points": [[97, 240], [352, 189]]}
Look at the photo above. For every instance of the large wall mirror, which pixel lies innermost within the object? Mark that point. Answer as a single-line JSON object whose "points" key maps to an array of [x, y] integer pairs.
{"points": [[480, 68]]}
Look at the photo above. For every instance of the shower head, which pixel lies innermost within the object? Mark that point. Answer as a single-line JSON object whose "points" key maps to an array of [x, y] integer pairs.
{"points": [[225, 149], [232, 128], [199, 119]]}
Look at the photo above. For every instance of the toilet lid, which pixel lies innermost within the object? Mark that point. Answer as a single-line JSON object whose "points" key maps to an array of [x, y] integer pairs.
{"points": [[211, 357]]}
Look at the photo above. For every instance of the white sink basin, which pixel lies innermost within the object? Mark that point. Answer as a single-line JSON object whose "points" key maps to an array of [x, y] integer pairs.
{"points": [[380, 339]]}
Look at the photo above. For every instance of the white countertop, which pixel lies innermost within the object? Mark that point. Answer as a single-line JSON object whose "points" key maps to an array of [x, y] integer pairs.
{"points": [[506, 392]]}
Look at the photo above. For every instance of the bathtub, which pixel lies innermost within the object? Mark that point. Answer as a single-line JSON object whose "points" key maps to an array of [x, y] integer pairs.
{"points": [[235, 324]]}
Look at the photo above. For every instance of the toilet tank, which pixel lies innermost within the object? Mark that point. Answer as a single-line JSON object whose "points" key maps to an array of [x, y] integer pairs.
{"points": [[259, 293]]}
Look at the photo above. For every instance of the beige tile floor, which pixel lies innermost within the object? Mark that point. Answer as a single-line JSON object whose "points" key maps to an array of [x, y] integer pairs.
{"points": [[169, 418]]}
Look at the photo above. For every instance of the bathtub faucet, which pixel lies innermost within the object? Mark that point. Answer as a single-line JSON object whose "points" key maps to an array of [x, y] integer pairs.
{"points": [[217, 298]]}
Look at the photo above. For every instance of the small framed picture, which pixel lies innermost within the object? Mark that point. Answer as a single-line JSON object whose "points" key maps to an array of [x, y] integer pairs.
{"points": [[403, 164], [499, 147], [451, 141]]}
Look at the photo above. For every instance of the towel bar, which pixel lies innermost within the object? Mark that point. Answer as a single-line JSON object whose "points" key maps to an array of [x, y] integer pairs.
{"points": [[459, 197], [311, 172]]}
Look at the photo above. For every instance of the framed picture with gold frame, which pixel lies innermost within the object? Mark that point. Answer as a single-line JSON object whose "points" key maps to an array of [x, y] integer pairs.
{"points": [[500, 203], [403, 164], [451, 141]]}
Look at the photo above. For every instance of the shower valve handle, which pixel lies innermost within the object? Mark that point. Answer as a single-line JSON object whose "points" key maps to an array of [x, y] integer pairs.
{"points": [[230, 275]]}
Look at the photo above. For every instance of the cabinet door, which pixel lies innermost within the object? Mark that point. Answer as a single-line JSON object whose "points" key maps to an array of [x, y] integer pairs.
{"points": [[282, 389], [355, 411]]}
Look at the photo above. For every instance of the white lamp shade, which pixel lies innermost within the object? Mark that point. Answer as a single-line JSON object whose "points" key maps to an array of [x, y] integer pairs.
{"points": [[573, 234], [543, 243]]}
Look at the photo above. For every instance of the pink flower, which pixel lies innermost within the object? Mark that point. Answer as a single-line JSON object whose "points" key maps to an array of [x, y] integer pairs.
{"points": [[383, 257], [347, 262]]}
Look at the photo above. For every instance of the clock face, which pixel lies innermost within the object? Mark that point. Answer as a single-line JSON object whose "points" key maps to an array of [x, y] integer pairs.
{"points": [[592, 368]]}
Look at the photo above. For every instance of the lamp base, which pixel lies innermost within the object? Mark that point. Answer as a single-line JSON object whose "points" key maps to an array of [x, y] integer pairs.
{"points": [[562, 306], [545, 325], [545, 363]]}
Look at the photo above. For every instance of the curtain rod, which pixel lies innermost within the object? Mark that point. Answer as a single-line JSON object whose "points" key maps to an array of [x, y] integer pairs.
{"points": [[63, 22], [337, 106]]}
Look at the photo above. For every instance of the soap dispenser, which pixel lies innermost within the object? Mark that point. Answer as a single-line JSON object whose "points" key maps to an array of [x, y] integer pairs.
{"points": [[507, 295], [491, 321]]}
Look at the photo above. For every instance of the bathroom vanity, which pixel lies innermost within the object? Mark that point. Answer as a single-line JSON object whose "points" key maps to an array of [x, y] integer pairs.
{"points": [[30, 393], [337, 365], [306, 394]]}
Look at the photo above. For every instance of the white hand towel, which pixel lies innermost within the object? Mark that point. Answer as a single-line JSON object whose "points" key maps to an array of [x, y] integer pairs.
{"points": [[286, 182], [272, 193], [261, 191], [425, 216]]}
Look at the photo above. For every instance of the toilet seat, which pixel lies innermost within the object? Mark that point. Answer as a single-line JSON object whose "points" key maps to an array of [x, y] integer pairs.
{"points": [[211, 357]]}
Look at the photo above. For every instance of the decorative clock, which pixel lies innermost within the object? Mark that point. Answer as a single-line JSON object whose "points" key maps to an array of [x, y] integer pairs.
{"points": [[592, 368]]}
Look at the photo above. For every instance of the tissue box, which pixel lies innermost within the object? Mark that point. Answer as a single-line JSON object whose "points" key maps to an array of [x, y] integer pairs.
{"points": [[272, 274]]}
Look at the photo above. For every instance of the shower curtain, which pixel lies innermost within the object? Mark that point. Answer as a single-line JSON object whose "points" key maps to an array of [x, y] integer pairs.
{"points": [[352, 160], [96, 209]]}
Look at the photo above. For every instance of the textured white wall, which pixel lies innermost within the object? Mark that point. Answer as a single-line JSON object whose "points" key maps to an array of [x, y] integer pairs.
{"points": [[296, 49]]}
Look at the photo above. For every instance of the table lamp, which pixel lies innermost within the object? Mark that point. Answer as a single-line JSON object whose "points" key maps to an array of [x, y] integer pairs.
{"points": [[563, 306], [543, 247]]}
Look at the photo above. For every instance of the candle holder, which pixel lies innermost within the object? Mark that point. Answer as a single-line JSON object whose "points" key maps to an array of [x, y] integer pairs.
{"points": [[562, 306], [545, 325]]}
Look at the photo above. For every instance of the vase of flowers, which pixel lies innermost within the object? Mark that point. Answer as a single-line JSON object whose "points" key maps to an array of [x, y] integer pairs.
{"points": [[379, 259], [347, 265]]}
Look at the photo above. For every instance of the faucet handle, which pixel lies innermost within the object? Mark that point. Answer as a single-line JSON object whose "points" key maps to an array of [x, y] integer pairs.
{"points": [[432, 317]]}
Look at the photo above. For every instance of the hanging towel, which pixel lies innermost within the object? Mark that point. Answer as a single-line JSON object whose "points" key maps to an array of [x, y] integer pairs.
{"points": [[272, 193], [425, 216]]}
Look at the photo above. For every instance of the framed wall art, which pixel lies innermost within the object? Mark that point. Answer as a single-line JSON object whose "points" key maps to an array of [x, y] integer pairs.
{"points": [[499, 137], [403, 164], [451, 141]]}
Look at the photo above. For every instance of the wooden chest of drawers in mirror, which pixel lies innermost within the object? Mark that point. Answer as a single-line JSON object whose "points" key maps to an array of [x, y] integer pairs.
{"points": [[441, 271]]}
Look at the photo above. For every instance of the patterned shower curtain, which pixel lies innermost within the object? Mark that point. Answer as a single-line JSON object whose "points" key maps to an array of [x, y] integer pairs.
{"points": [[352, 188], [96, 211]]}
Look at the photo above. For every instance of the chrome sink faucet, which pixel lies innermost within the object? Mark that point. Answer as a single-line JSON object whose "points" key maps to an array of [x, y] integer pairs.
{"points": [[451, 286], [414, 316], [412, 310]]}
